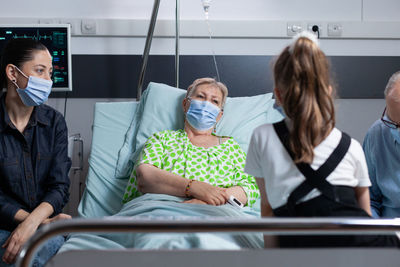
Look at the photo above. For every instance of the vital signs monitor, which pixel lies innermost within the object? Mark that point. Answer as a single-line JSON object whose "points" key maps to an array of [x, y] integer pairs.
{"points": [[56, 37]]}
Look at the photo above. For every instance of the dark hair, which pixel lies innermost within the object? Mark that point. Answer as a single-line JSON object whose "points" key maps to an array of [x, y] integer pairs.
{"points": [[17, 52], [302, 76]]}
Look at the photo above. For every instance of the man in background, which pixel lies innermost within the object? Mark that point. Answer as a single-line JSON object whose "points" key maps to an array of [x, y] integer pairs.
{"points": [[382, 151]]}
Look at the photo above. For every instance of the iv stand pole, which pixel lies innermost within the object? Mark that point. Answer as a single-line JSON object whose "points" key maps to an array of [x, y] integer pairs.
{"points": [[147, 46], [177, 35]]}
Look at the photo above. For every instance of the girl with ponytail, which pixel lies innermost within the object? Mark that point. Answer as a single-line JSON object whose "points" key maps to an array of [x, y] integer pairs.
{"points": [[304, 166]]}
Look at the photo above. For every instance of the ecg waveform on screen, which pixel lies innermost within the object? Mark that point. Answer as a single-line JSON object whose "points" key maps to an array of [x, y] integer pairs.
{"points": [[34, 37], [56, 40]]}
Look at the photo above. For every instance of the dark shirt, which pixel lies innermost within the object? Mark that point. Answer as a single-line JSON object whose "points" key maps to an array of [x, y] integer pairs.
{"points": [[34, 165]]}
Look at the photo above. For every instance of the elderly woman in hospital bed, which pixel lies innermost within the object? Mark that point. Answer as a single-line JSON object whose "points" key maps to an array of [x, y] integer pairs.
{"points": [[177, 169], [193, 162]]}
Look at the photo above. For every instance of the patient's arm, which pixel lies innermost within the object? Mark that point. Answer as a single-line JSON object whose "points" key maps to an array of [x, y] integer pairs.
{"points": [[236, 191], [195, 201], [151, 179]]}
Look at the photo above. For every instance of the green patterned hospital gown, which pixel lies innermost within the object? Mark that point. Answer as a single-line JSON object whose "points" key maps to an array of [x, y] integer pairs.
{"points": [[172, 151]]}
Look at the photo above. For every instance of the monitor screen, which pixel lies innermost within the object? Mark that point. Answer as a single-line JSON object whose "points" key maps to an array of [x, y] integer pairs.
{"points": [[56, 38]]}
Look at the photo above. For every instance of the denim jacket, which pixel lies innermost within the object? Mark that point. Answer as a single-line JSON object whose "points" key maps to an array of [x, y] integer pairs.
{"points": [[34, 165]]}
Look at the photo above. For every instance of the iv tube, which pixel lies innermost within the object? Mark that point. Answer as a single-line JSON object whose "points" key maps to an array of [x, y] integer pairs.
{"points": [[206, 7]]}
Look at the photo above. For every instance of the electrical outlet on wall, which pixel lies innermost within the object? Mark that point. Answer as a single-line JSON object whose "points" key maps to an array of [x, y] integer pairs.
{"points": [[312, 27], [335, 29], [294, 27]]}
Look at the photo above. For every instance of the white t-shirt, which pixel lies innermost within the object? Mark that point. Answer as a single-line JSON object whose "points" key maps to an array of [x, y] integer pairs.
{"points": [[267, 158]]}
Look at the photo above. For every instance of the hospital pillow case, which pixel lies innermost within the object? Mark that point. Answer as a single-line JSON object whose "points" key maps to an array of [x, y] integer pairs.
{"points": [[160, 108]]}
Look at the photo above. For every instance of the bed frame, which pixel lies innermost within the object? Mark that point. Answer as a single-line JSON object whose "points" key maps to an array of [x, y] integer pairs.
{"points": [[264, 257]]}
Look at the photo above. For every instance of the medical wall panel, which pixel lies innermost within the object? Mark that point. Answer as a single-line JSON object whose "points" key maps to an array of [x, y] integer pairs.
{"points": [[192, 9], [116, 76]]}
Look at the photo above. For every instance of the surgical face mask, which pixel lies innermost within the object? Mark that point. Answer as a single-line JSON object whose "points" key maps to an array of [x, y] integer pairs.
{"points": [[396, 134], [36, 92], [202, 115]]}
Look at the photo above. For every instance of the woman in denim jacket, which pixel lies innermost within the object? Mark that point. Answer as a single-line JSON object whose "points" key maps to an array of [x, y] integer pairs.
{"points": [[34, 163]]}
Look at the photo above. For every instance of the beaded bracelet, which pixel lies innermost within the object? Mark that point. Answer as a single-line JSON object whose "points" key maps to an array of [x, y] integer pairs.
{"points": [[187, 194]]}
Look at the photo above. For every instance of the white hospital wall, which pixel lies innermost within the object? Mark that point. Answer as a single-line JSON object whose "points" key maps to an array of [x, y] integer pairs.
{"points": [[324, 10], [353, 115], [224, 9]]}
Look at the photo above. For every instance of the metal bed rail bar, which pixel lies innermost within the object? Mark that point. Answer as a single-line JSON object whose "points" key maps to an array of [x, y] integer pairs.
{"points": [[265, 225]]}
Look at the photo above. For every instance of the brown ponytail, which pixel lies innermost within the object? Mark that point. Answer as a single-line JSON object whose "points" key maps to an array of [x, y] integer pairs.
{"points": [[302, 77]]}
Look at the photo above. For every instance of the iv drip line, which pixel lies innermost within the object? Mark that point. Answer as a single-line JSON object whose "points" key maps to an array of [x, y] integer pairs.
{"points": [[206, 7]]}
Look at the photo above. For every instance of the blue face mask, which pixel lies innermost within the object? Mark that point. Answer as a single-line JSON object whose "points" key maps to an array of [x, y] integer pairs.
{"points": [[36, 92], [202, 115], [279, 109]]}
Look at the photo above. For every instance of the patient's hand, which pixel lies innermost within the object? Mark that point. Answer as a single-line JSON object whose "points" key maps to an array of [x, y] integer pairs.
{"points": [[210, 194], [61, 216], [195, 201]]}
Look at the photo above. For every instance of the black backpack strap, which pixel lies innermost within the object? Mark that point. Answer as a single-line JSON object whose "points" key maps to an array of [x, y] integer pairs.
{"points": [[314, 178]]}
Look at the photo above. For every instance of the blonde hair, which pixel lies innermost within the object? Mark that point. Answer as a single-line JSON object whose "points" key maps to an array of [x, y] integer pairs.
{"points": [[192, 88], [302, 77]]}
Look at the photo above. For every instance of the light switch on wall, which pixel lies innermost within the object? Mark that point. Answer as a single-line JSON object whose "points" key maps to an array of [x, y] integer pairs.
{"points": [[88, 26]]}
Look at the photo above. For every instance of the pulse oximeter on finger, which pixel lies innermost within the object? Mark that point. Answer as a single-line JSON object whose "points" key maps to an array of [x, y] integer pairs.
{"points": [[235, 202]]}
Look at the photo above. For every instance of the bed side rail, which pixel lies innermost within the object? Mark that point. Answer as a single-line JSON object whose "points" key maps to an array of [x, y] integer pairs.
{"points": [[282, 226]]}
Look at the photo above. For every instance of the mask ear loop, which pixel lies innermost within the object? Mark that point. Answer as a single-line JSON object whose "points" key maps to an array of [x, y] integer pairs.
{"points": [[20, 71], [215, 126], [14, 81], [184, 113]]}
